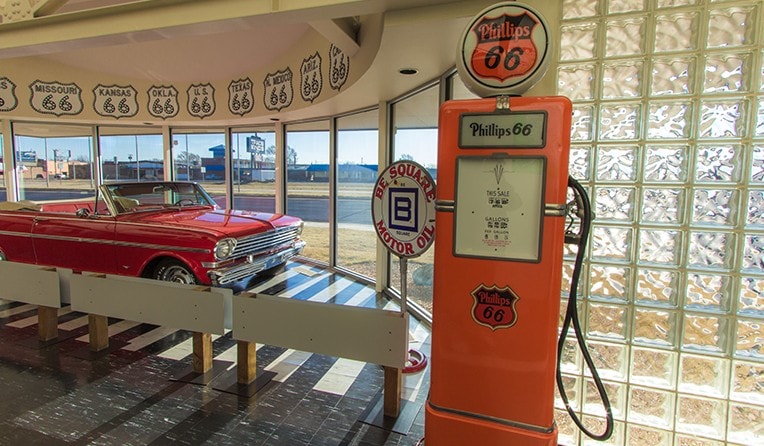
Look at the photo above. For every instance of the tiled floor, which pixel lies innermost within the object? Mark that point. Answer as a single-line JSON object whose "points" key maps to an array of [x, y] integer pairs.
{"points": [[60, 394]]}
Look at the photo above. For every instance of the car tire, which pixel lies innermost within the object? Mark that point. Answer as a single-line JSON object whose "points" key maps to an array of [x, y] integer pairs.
{"points": [[171, 270]]}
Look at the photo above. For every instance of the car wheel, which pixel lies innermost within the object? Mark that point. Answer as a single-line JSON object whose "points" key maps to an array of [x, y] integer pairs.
{"points": [[174, 271], [2, 256]]}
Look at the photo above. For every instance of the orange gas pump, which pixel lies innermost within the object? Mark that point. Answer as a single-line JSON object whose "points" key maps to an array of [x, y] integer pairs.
{"points": [[500, 217], [502, 169]]}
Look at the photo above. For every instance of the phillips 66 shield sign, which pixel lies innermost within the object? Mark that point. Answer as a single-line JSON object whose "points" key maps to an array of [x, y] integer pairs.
{"points": [[403, 208], [504, 50], [494, 307]]}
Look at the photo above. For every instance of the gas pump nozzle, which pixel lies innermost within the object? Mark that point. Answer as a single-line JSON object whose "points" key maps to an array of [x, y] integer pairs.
{"points": [[575, 207]]}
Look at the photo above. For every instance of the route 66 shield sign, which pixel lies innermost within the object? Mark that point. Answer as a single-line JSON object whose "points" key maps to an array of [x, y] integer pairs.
{"points": [[241, 100], [163, 101], [310, 78], [494, 307], [115, 101], [8, 100], [56, 98], [504, 50], [201, 100], [278, 91], [339, 67]]}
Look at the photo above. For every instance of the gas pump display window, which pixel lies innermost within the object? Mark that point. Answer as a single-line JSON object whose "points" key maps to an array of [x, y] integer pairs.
{"points": [[499, 207]]}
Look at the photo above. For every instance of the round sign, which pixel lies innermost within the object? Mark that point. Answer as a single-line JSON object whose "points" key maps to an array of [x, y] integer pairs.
{"points": [[403, 208], [504, 50]]}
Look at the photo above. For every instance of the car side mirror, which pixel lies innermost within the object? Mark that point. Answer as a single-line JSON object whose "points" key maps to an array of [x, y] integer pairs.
{"points": [[82, 212]]}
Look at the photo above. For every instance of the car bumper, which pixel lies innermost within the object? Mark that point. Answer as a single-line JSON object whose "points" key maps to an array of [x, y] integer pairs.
{"points": [[233, 274]]}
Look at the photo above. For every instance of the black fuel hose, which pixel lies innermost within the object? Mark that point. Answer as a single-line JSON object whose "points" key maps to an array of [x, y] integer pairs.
{"points": [[584, 212]]}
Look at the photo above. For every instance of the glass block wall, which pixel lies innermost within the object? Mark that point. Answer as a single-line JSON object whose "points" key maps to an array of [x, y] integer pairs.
{"points": [[668, 137]]}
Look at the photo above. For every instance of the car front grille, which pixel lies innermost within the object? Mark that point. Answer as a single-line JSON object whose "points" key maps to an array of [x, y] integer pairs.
{"points": [[265, 241]]}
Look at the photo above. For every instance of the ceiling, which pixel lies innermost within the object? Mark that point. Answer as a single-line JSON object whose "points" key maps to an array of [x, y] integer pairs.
{"points": [[176, 41]]}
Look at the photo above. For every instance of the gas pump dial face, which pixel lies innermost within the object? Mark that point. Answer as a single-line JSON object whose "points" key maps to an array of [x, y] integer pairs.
{"points": [[499, 207]]}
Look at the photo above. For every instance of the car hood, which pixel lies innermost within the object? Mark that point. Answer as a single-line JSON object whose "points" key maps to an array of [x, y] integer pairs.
{"points": [[233, 223]]}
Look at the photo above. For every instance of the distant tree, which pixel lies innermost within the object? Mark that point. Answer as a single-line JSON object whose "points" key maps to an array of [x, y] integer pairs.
{"points": [[188, 158], [406, 157], [291, 156], [270, 155]]}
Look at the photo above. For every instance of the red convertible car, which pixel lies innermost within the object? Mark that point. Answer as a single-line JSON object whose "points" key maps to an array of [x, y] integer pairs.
{"points": [[163, 230]]}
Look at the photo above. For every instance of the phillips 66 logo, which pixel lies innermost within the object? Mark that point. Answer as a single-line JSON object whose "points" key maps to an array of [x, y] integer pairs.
{"points": [[163, 101], [56, 98], [201, 100], [310, 78], [494, 307], [240, 97], [278, 90], [115, 101], [504, 50], [8, 100]]}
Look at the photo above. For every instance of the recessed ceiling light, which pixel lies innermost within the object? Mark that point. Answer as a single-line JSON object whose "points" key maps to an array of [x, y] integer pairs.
{"points": [[408, 71]]}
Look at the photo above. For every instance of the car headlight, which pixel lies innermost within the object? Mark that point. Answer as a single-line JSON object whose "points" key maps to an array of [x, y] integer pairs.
{"points": [[299, 228], [224, 248]]}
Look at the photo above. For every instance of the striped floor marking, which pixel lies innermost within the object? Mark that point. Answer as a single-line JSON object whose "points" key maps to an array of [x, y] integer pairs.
{"points": [[282, 277], [74, 323], [32, 320], [182, 349], [149, 338], [296, 290], [230, 354], [338, 379], [17, 310], [288, 363], [362, 296], [332, 290], [113, 329]]}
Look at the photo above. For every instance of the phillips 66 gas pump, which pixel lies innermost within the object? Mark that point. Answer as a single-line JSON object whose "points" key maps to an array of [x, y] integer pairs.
{"points": [[500, 217]]}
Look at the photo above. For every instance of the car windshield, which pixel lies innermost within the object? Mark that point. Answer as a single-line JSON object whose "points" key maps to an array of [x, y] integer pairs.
{"points": [[134, 197]]}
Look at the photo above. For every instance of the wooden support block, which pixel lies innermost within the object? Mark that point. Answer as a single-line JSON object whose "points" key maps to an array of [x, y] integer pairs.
{"points": [[98, 329], [246, 362], [202, 352], [47, 323], [393, 391]]}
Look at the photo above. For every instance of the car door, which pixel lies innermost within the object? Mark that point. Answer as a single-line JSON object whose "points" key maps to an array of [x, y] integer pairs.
{"points": [[15, 240], [79, 243]]}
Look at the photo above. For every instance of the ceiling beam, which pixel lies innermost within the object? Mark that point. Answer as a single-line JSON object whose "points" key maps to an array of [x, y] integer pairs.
{"points": [[48, 7], [341, 32]]}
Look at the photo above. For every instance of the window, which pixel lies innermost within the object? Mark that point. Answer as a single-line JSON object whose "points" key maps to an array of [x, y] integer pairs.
{"points": [[415, 138], [357, 148], [254, 169], [131, 153], [199, 155], [307, 167], [53, 161]]}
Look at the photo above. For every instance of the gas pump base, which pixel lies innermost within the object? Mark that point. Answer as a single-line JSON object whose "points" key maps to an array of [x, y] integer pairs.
{"points": [[445, 428]]}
